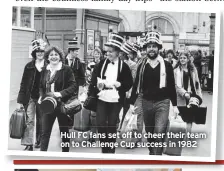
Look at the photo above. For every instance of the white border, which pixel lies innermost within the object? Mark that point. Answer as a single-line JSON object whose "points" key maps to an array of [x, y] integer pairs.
{"points": [[142, 157]]}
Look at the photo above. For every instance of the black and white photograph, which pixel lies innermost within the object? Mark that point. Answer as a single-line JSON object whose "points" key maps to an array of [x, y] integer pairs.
{"points": [[113, 83]]}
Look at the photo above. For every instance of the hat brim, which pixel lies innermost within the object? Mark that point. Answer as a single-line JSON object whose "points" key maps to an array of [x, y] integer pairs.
{"points": [[160, 46]]}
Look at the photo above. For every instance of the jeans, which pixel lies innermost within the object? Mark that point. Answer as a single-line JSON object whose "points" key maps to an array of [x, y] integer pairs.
{"points": [[32, 109], [47, 124], [107, 116], [156, 115], [93, 122]]}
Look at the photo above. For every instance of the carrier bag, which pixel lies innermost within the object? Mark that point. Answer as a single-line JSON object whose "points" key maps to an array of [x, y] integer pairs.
{"points": [[175, 125], [82, 120], [17, 124]]}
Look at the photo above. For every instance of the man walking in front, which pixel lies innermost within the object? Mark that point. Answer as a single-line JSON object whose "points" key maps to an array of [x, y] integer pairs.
{"points": [[155, 79]]}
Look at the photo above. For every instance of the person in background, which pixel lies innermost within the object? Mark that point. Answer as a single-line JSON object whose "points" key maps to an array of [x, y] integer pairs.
{"points": [[184, 72], [77, 66], [211, 72], [97, 57], [57, 81], [112, 80], [127, 49], [29, 94], [170, 57], [197, 63], [155, 80]]}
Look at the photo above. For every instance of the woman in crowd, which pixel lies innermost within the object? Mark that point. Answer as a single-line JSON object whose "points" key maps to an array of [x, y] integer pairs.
{"points": [[29, 94], [57, 81], [187, 83], [97, 57], [112, 80]]}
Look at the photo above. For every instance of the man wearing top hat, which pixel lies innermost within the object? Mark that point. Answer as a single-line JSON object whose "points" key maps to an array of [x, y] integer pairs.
{"points": [[77, 66], [112, 80], [155, 79], [29, 94]]}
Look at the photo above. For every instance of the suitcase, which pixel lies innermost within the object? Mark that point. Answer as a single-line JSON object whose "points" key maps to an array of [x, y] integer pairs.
{"points": [[175, 126], [17, 124], [82, 120]]}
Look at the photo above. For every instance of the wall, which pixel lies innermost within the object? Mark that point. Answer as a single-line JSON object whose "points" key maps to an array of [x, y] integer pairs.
{"points": [[21, 40]]}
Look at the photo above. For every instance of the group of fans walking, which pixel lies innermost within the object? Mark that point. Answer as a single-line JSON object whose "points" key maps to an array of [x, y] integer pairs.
{"points": [[129, 76]]}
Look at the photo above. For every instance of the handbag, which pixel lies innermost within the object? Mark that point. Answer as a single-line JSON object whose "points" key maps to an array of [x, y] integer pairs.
{"points": [[71, 107], [90, 103]]}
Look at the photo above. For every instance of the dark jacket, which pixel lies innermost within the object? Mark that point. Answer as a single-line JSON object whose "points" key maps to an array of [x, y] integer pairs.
{"points": [[169, 90], [64, 83], [27, 83], [124, 77], [78, 71]]}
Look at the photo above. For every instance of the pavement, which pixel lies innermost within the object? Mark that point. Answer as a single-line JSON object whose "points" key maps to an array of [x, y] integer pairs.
{"points": [[203, 148]]}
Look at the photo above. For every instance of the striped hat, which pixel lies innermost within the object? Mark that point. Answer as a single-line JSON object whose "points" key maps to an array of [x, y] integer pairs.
{"points": [[135, 47], [126, 47], [115, 40], [73, 44], [48, 105], [153, 37], [38, 44]]}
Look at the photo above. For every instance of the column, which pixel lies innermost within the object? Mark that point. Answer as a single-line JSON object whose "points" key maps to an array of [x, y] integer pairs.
{"points": [[212, 33], [80, 31]]}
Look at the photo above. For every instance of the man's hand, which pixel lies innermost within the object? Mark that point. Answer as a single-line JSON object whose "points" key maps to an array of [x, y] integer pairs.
{"points": [[132, 109], [19, 106], [175, 111], [117, 84], [187, 96], [57, 94]]}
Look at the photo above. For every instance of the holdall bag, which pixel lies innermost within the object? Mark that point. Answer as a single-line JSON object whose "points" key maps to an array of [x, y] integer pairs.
{"points": [[195, 114], [17, 124], [82, 120], [175, 125]]}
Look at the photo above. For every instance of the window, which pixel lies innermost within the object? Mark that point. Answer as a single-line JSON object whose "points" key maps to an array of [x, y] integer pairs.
{"points": [[23, 17], [14, 16]]}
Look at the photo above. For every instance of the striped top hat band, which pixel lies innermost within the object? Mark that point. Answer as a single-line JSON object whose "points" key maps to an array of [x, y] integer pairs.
{"points": [[115, 40], [73, 44], [135, 47], [38, 44], [153, 37], [126, 47]]}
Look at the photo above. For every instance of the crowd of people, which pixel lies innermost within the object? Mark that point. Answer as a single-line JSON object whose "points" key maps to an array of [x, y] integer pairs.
{"points": [[136, 77]]}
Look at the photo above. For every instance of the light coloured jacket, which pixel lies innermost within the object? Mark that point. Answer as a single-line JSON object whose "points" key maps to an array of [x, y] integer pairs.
{"points": [[178, 75]]}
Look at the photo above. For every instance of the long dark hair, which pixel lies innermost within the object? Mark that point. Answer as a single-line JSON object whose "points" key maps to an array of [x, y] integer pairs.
{"points": [[190, 65]]}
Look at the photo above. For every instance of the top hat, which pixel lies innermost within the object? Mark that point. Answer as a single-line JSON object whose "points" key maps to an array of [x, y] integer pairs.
{"points": [[115, 40], [48, 105], [135, 47], [126, 47], [38, 44], [153, 37], [73, 44]]}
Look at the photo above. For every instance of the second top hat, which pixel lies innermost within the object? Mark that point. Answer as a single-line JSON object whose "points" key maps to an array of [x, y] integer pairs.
{"points": [[73, 44], [115, 40], [48, 105]]}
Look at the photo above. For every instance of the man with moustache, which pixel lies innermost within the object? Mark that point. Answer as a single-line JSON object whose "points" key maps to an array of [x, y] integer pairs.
{"points": [[155, 80]]}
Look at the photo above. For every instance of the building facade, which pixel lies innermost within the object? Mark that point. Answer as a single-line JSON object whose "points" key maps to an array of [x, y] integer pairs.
{"points": [[180, 30]]}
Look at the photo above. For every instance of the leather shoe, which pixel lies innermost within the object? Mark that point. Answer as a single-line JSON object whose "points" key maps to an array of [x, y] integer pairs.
{"points": [[29, 148]]}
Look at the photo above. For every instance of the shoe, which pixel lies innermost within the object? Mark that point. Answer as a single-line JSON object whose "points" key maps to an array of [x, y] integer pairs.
{"points": [[37, 145], [29, 148]]}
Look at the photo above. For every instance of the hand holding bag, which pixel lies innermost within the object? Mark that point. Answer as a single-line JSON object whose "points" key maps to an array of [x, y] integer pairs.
{"points": [[17, 124]]}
